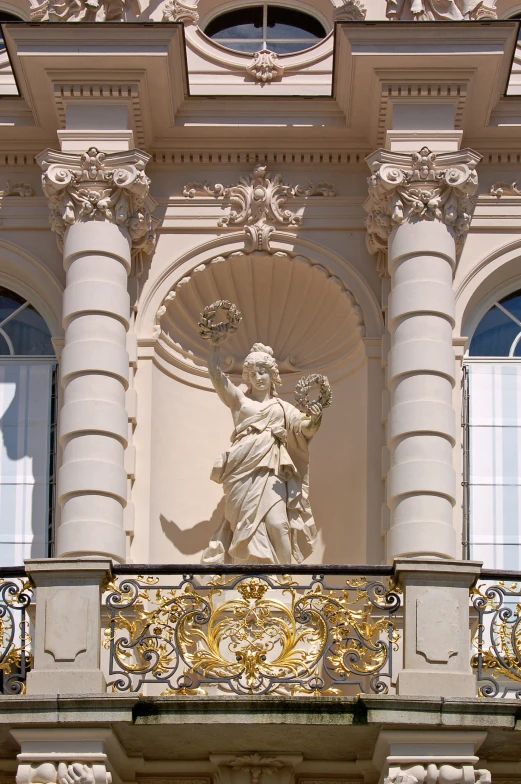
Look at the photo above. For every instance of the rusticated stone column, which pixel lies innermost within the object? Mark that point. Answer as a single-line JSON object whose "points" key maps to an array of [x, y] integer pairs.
{"points": [[101, 212], [419, 214]]}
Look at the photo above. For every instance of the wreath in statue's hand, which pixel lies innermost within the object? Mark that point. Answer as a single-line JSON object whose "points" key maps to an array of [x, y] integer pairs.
{"points": [[218, 333], [304, 387]]}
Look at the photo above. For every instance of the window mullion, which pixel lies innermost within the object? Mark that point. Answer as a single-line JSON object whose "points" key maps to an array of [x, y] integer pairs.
{"points": [[18, 310], [505, 311], [265, 26]]}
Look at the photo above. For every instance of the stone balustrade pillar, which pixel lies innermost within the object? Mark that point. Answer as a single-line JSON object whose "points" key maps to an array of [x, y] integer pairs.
{"points": [[101, 212], [418, 217]]}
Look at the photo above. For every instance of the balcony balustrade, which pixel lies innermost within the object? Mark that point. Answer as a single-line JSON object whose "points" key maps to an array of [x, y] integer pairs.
{"points": [[242, 631]]}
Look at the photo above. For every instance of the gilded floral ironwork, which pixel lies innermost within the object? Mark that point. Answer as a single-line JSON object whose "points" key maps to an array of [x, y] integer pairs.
{"points": [[15, 640], [251, 635], [497, 641]]}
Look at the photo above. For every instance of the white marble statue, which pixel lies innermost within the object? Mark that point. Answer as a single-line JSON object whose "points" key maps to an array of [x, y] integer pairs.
{"points": [[264, 473]]}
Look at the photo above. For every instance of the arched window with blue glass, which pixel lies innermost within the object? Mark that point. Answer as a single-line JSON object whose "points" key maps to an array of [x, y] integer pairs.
{"points": [[27, 418], [492, 436]]}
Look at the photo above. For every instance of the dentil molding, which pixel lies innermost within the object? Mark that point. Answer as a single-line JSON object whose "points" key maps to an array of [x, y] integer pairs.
{"points": [[95, 186], [422, 186], [258, 202]]}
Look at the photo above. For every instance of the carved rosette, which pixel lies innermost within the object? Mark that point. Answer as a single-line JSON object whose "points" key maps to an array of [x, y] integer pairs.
{"points": [[95, 186], [422, 186]]}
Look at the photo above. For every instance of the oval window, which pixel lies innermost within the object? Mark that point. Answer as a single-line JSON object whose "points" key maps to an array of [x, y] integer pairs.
{"points": [[279, 29]]}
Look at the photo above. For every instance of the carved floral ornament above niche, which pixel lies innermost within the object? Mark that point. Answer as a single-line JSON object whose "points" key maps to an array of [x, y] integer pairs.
{"points": [[305, 313], [257, 202], [421, 186]]}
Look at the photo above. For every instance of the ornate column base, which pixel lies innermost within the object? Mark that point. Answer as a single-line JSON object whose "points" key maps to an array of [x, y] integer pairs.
{"points": [[68, 628], [436, 627]]}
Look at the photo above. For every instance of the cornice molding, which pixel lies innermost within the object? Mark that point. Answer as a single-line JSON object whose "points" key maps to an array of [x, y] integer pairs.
{"points": [[96, 186]]}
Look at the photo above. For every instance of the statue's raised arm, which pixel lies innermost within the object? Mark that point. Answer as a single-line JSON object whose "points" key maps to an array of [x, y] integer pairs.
{"points": [[216, 334]]}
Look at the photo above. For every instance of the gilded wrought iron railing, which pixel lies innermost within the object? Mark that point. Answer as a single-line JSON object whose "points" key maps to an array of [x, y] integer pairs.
{"points": [[15, 639], [496, 658], [239, 630]]}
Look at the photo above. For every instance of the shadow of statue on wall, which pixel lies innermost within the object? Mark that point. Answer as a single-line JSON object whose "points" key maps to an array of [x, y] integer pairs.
{"points": [[193, 540]]}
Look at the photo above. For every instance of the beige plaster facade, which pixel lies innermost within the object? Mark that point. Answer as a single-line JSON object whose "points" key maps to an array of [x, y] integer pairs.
{"points": [[357, 201]]}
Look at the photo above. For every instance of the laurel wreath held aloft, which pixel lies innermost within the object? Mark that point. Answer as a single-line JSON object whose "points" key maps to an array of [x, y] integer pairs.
{"points": [[304, 387], [218, 333]]}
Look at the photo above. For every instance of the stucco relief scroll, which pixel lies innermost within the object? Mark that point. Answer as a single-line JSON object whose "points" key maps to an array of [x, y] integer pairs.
{"points": [[265, 472], [95, 186], [258, 202], [422, 186], [438, 10]]}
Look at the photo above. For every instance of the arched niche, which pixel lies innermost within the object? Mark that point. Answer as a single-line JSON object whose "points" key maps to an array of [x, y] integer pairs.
{"points": [[183, 427]]}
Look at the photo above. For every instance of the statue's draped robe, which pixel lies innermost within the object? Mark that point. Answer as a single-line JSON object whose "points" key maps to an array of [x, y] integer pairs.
{"points": [[267, 462]]}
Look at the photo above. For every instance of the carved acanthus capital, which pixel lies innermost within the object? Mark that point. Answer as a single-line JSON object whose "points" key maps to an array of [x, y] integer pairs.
{"points": [[99, 187], [350, 11], [178, 11], [422, 186]]}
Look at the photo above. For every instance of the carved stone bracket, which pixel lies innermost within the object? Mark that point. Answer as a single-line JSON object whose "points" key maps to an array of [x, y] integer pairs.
{"points": [[255, 768], [94, 186], [437, 774], [258, 201], [178, 11], [421, 186], [62, 773], [265, 66]]}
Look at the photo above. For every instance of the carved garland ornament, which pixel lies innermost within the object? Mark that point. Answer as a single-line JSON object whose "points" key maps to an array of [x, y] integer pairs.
{"points": [[416, 187], [96, 186], [256, 201]]}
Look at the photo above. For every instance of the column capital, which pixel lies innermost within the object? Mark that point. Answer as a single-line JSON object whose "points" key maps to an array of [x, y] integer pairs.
{"points": [[102, 187], [419, 186]]}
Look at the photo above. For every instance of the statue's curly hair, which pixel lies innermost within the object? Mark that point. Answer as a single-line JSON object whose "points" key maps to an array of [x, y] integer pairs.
{"points": [[261, 354]]}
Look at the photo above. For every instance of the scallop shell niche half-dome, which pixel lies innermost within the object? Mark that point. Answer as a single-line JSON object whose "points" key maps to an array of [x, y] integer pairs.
{"points": [[307, 315]]}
